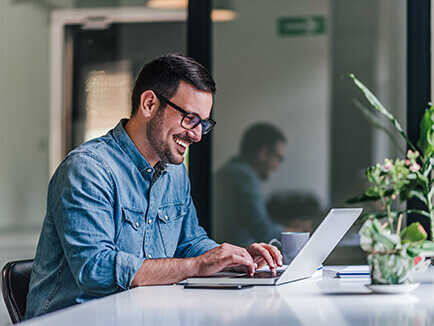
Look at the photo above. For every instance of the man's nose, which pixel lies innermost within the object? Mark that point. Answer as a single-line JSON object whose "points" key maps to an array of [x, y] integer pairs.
{"points": [[195, 134]]}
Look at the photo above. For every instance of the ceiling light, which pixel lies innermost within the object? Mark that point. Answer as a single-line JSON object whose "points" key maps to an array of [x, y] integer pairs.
{"points": [[222, 9]]}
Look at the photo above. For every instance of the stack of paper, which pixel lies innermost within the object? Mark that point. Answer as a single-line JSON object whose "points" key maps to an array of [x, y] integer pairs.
{"points": [[355, 271]]}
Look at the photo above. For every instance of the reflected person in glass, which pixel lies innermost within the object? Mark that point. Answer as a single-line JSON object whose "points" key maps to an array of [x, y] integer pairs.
{"points": [[240, 210]]}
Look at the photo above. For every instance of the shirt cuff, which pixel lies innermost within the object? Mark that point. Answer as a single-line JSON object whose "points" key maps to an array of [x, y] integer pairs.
{"points": [[126, 266], [204, 247]]}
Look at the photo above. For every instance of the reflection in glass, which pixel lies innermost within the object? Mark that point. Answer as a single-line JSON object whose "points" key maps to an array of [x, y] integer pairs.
{"points": [[284, 64], [238, 188], [107, 100]]}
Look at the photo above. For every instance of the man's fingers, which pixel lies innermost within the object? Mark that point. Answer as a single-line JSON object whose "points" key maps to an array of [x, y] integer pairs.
{"points": [[275, 253], [239, 256], [268, 257], [259, 261], [235, 259], [269, 253]]}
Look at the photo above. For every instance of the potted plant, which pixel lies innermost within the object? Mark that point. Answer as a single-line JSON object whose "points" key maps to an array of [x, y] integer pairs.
{"points": [[392, 248]]}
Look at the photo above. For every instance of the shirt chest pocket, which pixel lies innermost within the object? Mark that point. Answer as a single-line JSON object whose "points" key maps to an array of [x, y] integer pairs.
{"points": [[170, 219], [131, 234]]}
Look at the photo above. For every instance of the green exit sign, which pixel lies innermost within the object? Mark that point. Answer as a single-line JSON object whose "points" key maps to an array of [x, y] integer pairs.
{"points": [[301, 26]]}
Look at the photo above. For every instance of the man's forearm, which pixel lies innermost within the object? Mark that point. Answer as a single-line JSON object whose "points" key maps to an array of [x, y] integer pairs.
{"points": [[172, 270], [164, 271]]}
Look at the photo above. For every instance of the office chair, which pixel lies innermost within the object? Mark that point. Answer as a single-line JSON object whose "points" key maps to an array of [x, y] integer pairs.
{"points": [[15, 285]]}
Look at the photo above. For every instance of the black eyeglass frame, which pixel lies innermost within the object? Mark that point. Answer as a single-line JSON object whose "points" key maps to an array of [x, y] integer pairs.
{"points": [[210, 122]]}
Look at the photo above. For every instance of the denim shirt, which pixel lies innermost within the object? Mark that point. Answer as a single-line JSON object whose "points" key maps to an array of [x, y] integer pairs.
{"points": [[105, 216]]}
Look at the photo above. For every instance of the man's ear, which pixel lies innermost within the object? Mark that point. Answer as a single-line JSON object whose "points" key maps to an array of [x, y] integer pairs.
{"points": [[148, 103], [262, 154]]}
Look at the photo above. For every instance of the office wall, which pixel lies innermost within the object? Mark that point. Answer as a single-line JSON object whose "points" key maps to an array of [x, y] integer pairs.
{"points": [[369, 40], [24, 112], [24, 107], [264, 76]]}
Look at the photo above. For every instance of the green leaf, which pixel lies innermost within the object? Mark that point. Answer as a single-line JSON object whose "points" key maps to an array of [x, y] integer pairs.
{"points": [[418, 194], [374, 215], [425, 248], [361, 198], [370, 195], [418, 211], [430, 193], [428, 169], [374, 121], [413, 233], [376, 225], [426, 137], [380, 108], [414, 252]]}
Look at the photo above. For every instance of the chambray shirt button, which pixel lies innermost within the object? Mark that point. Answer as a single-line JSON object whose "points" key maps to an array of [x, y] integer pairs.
{"points": [[166, 217], [137, 224], [149, 170], [149, 256], [150, 221]]}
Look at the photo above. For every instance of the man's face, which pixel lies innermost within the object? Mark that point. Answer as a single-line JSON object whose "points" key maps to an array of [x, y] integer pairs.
{"points": [[167, 137], [271, 160]]}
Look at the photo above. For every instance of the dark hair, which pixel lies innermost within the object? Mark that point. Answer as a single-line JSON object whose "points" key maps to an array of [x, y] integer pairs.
{"points": [[258, 136], [163, 75]]}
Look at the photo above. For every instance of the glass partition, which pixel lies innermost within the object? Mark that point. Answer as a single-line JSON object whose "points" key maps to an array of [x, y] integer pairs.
{"points": [[66, 70], [290, 143]]}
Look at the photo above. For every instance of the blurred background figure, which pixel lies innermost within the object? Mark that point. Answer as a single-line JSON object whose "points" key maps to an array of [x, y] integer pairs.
{"points": [[299, 212], [239, 203]]}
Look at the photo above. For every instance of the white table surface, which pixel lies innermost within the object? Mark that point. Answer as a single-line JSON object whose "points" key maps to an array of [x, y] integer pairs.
{"points": [[323, 301]]}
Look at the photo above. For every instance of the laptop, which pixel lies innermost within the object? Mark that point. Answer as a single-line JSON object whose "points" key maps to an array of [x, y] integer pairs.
{"points": [[325, 238]]}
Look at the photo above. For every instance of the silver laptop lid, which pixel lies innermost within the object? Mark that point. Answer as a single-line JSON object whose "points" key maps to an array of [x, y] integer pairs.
{"points": [[325, 238]]}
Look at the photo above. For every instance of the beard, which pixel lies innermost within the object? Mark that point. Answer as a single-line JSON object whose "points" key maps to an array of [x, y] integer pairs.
{"points": [[154, 133]]}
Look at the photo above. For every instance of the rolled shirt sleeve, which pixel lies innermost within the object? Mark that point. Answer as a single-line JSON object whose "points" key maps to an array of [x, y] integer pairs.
{"points": [[84, 217]]}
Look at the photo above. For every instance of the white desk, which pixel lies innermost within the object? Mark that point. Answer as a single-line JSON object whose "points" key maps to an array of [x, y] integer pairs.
{"points": [[326, 301]]}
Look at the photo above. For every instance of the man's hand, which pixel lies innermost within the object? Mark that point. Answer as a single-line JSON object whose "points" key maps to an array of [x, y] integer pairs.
{"points": [[230, 257], [263, 254], [224, 256]]}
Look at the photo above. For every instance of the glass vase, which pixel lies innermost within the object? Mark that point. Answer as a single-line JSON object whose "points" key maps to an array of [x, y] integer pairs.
{"points": [[391, 269]]}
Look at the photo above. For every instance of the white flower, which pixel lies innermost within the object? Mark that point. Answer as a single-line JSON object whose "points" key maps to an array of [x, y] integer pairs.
{"points": [[387, 164], [414, 167]]}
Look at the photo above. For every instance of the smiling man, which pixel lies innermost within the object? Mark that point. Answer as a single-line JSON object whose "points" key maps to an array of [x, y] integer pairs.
{"points": [[119, 210]]}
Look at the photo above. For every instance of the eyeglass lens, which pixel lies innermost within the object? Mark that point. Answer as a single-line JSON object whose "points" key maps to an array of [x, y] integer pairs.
{"points": [[191, 121]]}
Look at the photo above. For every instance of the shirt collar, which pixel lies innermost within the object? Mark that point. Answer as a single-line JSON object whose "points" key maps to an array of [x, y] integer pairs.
{"points": [[125, 142]]}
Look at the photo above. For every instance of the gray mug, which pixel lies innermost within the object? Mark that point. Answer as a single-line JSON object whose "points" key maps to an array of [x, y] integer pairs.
{"points": [[290, 244]]}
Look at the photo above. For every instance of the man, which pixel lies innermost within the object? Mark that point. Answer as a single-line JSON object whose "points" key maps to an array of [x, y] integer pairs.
{"points": [[119, 211], [240, 211]]}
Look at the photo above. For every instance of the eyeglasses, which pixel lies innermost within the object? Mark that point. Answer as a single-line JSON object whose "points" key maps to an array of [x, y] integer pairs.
{"points": [[190, 120]]}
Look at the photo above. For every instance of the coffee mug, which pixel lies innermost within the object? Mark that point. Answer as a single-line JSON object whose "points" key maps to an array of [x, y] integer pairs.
{"points": [[290, 244]]}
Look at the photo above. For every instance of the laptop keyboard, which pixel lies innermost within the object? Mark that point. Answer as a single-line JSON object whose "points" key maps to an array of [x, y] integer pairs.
{"points": [[262, 274]]}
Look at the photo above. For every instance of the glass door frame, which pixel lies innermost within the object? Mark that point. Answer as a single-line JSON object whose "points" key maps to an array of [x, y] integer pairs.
{"points": [[418, 76], [199, 40], [61, 61]]}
